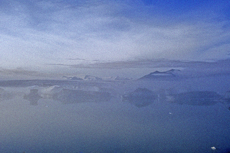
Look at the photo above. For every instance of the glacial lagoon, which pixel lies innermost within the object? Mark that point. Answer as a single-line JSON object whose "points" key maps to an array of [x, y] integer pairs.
{"points": [[118, 116]]}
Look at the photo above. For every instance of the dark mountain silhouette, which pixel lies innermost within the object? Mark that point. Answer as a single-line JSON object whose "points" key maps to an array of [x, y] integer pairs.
{"points": [[170, 74], [72, 78]]}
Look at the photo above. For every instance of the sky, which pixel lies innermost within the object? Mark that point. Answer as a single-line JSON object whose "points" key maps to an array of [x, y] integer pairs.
{"points": [[45, 34]]}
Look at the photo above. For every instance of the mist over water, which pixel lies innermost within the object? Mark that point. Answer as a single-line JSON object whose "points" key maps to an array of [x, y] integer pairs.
{"points": [[145, 115]]}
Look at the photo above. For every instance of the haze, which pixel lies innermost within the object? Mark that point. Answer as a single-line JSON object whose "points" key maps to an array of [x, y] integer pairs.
{"points": [[114, 76]]}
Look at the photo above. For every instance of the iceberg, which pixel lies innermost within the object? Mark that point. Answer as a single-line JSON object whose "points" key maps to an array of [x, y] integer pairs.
{"points": [[197, 98], [68, 96], [33, 97], [140, 97]]}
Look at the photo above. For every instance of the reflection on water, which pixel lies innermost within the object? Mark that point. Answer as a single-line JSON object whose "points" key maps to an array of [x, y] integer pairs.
{"points": [[113, 117], [33, 97], [140, 97], [227, 96], [4, 95]]}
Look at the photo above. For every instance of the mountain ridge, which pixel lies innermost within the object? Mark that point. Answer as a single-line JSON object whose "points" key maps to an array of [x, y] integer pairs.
{"points": [[170, 74]]}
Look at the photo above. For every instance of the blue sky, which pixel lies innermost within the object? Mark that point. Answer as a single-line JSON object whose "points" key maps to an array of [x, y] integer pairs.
{"points": [[36, 34]]}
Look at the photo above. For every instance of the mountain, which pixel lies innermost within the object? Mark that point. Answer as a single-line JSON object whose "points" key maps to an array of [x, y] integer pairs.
{"points": [[121, 78], [92, 78], [72, 78], [86, 77], [170, 74]]}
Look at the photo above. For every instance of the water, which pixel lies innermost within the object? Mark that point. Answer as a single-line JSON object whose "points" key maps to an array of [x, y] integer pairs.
{"points": [[109, 125]]}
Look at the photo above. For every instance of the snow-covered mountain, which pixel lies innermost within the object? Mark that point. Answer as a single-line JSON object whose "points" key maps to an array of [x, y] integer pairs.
{"points": [[92, 78], [85, 77], [72, 78], [118, 78], [170, 74]]}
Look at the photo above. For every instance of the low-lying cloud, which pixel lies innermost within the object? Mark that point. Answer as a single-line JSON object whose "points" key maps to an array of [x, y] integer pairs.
{"points": [[42, 32]]}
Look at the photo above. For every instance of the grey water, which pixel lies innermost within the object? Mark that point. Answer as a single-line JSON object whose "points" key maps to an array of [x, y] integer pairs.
{"points": [[160, 116]]}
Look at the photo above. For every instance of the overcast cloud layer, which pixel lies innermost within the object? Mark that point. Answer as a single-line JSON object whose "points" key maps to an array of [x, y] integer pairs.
{"points": [[38, 33]]}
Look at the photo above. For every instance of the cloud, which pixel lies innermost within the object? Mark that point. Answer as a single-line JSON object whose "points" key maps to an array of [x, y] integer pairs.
{"points": [[47, 32], [19, 73]]}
